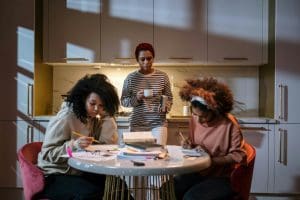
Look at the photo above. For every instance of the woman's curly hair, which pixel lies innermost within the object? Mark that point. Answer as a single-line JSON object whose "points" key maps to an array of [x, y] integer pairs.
{"points": [[217, 95], [99, 84]]}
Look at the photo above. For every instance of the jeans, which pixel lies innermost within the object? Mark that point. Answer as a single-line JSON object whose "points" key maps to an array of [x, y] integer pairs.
{"points": [[73, 187], [194, 187]]}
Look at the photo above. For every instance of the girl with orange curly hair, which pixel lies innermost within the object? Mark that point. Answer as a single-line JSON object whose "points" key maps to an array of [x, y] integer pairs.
{"points": [[215, 130]]}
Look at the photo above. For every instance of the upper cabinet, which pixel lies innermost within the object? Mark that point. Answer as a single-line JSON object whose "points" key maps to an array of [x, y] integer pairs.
{"points": [[198, 31], [180, 30], [237, 31], [71, 30], [125, 24]]}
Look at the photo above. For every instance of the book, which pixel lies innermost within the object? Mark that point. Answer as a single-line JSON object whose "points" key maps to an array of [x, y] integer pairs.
{"points": [[144, 146], [129, 153], [126, 153], [145, 136], [191, 152]]}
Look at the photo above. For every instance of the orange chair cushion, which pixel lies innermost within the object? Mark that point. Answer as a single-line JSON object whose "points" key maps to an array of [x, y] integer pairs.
{"points": [[241, 176]]}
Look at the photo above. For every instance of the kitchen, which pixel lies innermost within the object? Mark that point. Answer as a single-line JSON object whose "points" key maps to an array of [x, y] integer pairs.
{"points": [[207, 43]]}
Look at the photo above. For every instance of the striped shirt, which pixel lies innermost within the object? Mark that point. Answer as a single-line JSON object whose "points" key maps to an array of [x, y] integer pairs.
{"points": [[146, 115]]}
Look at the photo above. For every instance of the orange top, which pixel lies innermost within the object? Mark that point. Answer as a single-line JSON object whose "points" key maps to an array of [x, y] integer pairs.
{"points": [[222, 140]]}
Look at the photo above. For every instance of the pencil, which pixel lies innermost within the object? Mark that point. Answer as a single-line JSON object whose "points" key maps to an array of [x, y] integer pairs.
{"points": [[79, 134], [182, 137]]}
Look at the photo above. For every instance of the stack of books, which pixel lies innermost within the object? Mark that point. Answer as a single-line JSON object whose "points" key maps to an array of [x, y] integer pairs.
{"points": [[141, 145], [144, 146]]}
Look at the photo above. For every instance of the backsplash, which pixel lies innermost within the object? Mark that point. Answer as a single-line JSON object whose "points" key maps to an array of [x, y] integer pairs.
{"points": [[243, 81]]}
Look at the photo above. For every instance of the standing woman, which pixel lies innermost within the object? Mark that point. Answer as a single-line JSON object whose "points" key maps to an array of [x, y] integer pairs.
{"points": [[89, 109], [148, 115], [215, 130]]}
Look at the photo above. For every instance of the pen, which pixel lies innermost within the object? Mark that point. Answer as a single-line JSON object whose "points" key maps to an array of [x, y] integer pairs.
{"points": [[79, 134]]}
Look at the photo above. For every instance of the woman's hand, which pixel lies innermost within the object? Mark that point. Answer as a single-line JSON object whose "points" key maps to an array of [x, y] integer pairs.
{"points": [[199, 148], [140, 95], [186, 144], [83, 142]]}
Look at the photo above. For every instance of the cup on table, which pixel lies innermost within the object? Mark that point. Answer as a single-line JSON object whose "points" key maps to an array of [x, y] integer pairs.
{"points": [[148, 92]]}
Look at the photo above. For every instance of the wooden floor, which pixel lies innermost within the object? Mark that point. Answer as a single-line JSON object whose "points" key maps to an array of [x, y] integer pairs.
{"points": [[16, 194], [273, 197]]}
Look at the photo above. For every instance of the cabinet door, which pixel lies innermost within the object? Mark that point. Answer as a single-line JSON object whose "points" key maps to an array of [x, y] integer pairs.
{"points": [[42, 129], [258, 135], [287, 162], [25, 94], [180, 30], [72, 30], [124, 24], [287, 61], [174, 128], [123, 126], [236, 31], [8, 154]]}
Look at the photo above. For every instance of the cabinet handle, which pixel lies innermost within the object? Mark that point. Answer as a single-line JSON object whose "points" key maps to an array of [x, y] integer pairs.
{"points": [[254, 128], [124, 58], [75, 59], [30, 100], [282, 147], [235, 58], [282, 113], [180, 58], [29, 136]]}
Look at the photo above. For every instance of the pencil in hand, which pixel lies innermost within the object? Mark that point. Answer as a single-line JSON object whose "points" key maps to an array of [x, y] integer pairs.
{"points": [[182, 137], [79, 135], [185, 142]]}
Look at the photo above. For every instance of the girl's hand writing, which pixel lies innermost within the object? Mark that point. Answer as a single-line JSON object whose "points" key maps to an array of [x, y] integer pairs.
{"points": [[83, 142]]}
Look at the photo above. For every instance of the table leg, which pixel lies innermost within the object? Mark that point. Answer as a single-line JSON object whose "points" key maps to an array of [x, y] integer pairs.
{"points": [[160, 187]]}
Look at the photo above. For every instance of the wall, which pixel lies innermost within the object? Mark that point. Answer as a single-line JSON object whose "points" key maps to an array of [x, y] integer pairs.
{"points": [[242, 80]]}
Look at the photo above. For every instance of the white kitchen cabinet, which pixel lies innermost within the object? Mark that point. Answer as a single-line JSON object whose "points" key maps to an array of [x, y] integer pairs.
{"points": [[287, 83], [180, 30], [286, 159], [259, 135], [287, 61], [125, 24], [237, 31], [71, 30]]}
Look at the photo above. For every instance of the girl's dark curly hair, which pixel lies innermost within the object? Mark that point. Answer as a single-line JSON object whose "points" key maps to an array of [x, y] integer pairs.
{"points": [[217, 95], [143, 47], [99, 84]]}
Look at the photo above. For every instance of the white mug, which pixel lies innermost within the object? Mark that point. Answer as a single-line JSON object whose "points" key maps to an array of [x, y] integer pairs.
{"points": [[148, 92], [186, 111]]}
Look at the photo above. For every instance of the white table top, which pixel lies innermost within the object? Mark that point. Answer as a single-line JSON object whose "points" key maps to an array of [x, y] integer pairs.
{"points": [[111, 165]]}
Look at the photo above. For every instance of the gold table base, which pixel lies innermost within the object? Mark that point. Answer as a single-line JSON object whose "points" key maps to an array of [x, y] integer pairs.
{"points": [[139, 187]]}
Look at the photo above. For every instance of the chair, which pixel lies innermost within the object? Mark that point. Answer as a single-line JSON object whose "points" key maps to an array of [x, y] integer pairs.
{"points": [[32, 177], [241, 176]]}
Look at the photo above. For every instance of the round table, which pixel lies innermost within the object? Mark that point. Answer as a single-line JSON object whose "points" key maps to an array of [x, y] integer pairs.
{"points": [[143, 182]]}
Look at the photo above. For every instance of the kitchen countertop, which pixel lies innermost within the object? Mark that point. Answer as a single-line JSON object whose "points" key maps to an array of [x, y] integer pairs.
{"points": [[242, 120]]}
